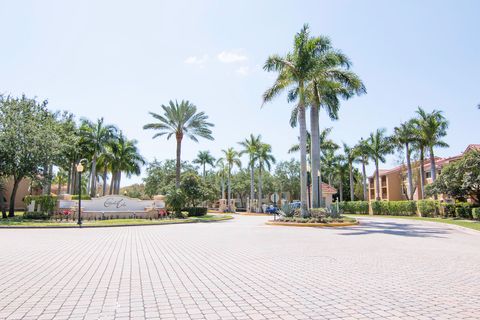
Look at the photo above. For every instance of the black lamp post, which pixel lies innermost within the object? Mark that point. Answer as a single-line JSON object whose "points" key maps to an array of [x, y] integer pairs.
{"points": [[80, 170]]}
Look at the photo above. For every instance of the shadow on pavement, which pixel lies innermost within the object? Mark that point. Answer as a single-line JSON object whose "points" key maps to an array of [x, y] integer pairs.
{"points": [[394, 228]]}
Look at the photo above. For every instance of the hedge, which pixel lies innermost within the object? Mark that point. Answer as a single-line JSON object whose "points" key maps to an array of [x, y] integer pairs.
{"points": [[476, 213], [195, 211], [428, 208], [84, 197], [43, 203], [354, 207], [394, 208], [463, 210]]}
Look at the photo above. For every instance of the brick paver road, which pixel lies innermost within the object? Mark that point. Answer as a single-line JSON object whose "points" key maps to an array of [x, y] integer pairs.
{"points": [[242, 269]]}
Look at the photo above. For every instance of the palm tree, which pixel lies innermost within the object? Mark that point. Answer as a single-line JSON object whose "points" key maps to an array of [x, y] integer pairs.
{"points": [[204, 158], [265, 159], [181, 119], [379, 145], [350, 155], [329, 163], [95, 136], [341, 166], [404, 137], [60, 178], [433, 127], [232, 159], [126, 159], [294, 72], [222, 168], [250, 147], [104, 164], [363, 153]]}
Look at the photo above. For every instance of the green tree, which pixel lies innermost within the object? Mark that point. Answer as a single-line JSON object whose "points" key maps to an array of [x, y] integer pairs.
{"points": [[460, 179], [295, 70], [265, 160], [28, 140], [179, 120], [250, 147], [96, 136], [204, 158], [231, 158], [379, 145], [160, 176], [404, 137], [287, 177]]}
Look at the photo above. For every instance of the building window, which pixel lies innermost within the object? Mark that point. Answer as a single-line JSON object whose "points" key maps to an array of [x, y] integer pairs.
{"points": [[428, 174]]}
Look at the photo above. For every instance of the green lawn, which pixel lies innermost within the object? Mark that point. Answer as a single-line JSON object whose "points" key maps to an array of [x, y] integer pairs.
{"points": [[18, 222], [475, 225]]}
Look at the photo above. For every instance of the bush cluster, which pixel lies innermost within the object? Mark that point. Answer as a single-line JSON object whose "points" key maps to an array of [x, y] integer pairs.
{"points": [[35, 216], [195, 211], [354, 207], [463, 210], [84, 197], [476, 213], [43, 203], [394, 208]]}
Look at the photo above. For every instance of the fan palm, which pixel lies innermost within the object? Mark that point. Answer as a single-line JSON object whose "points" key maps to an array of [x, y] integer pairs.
{"points": [[250, 147], [265, 160], [404, 137], [180, 119], [379, 145], [95, 136], [204, 158], [294, 72], [232, 159]]}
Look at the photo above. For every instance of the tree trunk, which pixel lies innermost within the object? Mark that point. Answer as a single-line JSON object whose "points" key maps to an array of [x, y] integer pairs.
{"points": [[69, 179], [223, 187], [377, 173], [409, 172], [59, 190], [204, 174], [252, 183], [93, 176], [179, 137], [2, 201], [350, 177], [364, 177], [119, 179], [422, 172], [11, 211], [433, 169], [303, 154], [229, 195], [112, 181], [49, 177], [104, 181], [260, 196], [341, 189], [320, 191], [315, 153]]}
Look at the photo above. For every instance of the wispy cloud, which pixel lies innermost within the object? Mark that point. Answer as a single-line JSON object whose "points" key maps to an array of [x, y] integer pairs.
{"points": [[231, 56], [243, 70], [197, 60]]}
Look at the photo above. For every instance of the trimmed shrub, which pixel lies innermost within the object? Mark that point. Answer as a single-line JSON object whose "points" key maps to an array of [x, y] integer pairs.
{"points": [[447, 210], [476, 213], [402, 208], [428, 208], [463, 210], [43, 203], [354, 207], [35, 216], [84, 197], [195, 211], [377, 207]]}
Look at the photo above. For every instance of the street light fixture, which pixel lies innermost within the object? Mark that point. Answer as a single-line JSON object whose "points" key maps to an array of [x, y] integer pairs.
{"points": [[80, 168]]}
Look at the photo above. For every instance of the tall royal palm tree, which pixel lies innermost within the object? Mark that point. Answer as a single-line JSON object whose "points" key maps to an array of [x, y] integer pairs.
{"points": [[250, 148], [265, 159], [433, 127], [96, 136], [126, 159], [379, 145], [232, 159], [363, 153], [350, 155], [405, 137], [180, 119], [203, 158], [294, 73]]}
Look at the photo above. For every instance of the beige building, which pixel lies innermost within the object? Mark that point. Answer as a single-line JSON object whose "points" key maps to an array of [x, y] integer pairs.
{"points": [[394, 182], [24, 189]]}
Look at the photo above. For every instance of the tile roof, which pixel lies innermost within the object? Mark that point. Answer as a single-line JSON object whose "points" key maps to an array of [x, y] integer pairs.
{"points": [[326, 188]]}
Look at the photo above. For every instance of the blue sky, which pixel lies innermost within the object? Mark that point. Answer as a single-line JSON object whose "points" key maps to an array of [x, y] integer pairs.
{"points": [[121, 59]]}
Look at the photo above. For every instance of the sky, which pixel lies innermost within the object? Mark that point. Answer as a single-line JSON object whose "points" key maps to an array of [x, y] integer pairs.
{"points": [[122, 59]]}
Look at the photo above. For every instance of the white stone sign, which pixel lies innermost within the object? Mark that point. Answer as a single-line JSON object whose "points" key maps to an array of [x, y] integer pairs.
{"points": [[114, 203]]}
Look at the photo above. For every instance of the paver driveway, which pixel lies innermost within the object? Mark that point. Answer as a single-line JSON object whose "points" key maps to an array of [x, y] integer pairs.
{"points": [[242, 269]]}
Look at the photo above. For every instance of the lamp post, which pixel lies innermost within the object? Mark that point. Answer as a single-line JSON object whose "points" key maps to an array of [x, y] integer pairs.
{"points": [[80, 170]]}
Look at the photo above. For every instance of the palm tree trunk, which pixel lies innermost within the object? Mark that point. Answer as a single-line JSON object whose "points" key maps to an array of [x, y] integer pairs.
{"points": [[364, 182], [350, 177], [320, 191], [178, 164], [119, 179], [252, 183], [222, 182], [204, 174], [112, 181], [433, 169], [341, 189], [59, 190], [104, 181], [11, 210], [260, 196], [315, 153], [377, 173], [303, 154], [409, 172], [422, 171], [93, 175], [69, 178], [229, 195]]}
